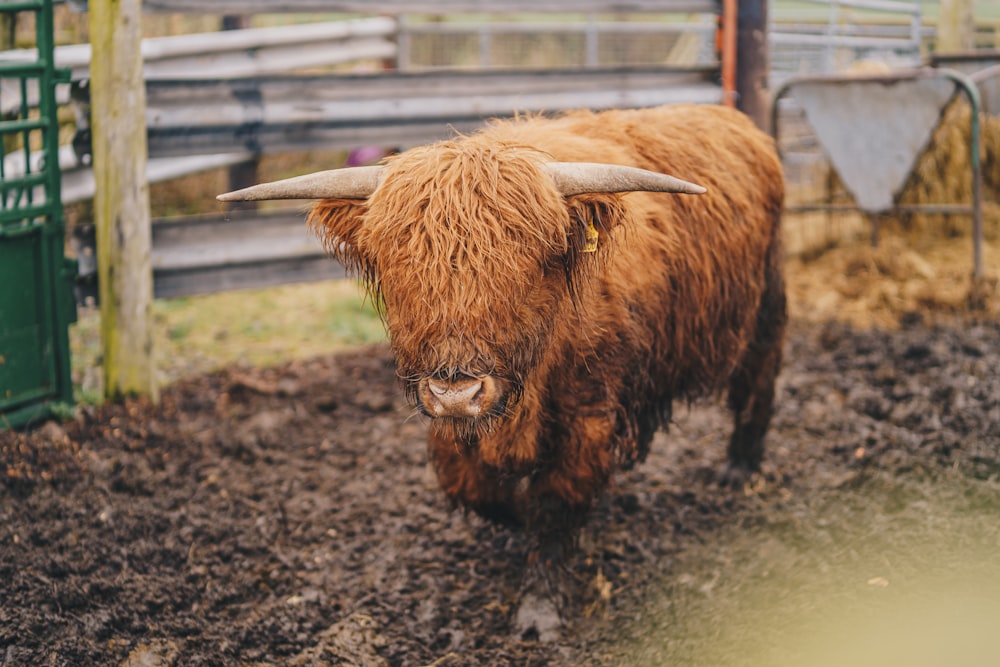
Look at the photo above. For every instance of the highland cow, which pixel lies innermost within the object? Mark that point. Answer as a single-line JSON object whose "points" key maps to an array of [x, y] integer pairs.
{"points": [[545, 314]]}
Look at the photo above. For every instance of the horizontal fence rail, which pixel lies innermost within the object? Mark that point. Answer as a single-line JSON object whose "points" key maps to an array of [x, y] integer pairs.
{"points": [[390, 109], [204, 254], [78, 177], [232, 7], [227, 54]]}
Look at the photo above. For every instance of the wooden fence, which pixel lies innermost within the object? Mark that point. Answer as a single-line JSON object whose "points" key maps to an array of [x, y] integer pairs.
{"points": [[219, 94], [230, 118], [434, 7], [216, 100]]}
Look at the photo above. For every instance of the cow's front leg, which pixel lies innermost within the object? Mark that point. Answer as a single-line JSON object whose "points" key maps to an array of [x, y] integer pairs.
{"points": [[555, 502], [546, 582]]}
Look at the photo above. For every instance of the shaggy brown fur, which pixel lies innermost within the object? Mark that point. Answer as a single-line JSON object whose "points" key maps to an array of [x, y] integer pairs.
{"points": [[479, 266]]}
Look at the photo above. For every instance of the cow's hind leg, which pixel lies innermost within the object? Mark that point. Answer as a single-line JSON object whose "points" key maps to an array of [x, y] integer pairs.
{"points": [[751, 389]]}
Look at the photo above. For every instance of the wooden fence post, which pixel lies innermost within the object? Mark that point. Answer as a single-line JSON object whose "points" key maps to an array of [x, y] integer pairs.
{"points": [[247, 173], [956, 26], [7, 25], [121, 199], [752, 94]]}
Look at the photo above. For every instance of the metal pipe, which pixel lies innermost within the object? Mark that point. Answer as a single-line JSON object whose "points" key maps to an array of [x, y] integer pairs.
{"points": [[968, 86], [729, 55], [972, 92]]}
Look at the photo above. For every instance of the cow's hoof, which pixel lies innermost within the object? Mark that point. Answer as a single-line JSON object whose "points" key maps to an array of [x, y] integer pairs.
{"points": [[537, 618], [734, 475]]}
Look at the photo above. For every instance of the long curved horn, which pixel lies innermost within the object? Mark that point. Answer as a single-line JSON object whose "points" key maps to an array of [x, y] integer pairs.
{"points": [[349, 183], [577, 178]]}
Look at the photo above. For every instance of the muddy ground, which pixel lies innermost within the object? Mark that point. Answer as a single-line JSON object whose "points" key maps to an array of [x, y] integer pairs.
{"points": [[286, 516]]}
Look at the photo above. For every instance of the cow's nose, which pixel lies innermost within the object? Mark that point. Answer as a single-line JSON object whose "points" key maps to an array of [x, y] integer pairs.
{"points": [[454, 398]]}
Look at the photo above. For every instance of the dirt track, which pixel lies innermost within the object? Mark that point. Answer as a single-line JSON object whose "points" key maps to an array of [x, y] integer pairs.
{"points": [[286, 516]]}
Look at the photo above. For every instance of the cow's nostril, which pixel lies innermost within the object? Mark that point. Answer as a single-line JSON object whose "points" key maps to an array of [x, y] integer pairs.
{"points": [[457, 398], [438, 389], [455, 391]]}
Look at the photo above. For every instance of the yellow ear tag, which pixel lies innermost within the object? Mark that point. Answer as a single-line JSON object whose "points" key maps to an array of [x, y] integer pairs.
{"points": [[592, 237]]}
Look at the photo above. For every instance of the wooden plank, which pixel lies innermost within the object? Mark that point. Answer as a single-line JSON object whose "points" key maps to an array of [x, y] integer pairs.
{"points": [[242, 237], [391, 109], [121, 202], [215, 253], [428, 6], [252, 275], [270, 60], [252, 51], [208, 255], [241, 250]]}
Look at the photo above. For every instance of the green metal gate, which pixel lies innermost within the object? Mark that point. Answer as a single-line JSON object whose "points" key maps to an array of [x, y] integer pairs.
{"points": [[36, 298]]}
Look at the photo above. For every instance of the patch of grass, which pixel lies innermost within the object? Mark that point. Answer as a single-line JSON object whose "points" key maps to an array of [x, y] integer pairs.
{"points": [[180, 330], [255, 327], [88, 396]]}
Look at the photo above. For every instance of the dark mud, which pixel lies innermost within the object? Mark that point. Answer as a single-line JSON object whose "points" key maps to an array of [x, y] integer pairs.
{"points": [[286, 516]]}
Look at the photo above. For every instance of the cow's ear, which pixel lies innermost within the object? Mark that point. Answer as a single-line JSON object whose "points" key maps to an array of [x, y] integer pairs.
{"points": [[592, 216], [336, 222]]}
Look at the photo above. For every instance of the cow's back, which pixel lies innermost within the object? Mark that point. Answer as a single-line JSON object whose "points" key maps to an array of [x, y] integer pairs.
{"points": [[673, 302]]}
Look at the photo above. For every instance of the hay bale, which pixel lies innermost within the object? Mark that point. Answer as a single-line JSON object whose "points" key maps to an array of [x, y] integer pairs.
{"points": [[882, 286], [943, 175]]}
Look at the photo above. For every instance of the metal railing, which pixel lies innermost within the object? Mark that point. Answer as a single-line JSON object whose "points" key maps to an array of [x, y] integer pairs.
{"points": [[837, 33], [874, 195], [35, 279]]}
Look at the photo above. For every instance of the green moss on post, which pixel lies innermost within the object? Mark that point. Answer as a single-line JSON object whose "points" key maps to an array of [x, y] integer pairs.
{"points": [[121, 200]]}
